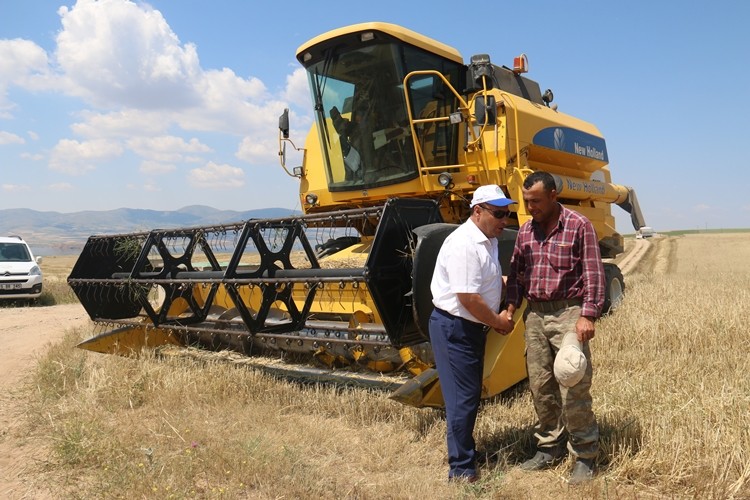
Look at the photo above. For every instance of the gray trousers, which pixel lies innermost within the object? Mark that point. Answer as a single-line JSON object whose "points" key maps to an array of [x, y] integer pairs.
{"points": [[563, 413]]}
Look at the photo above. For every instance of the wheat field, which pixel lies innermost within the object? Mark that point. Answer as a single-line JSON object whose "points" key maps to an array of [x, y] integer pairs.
{"points": [[671, 394]]}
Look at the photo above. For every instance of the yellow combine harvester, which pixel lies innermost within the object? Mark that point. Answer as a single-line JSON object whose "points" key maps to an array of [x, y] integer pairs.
{"points": [[404, 133]]}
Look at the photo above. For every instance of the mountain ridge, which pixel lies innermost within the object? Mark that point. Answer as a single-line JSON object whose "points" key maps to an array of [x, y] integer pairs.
{"points": [[50, 232]]}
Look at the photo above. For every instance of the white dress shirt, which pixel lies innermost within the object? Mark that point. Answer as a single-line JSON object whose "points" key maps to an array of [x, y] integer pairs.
{"points": [[467, 263]]}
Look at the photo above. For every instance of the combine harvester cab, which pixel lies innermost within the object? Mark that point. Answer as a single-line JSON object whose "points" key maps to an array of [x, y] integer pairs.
{"points": [[404, 133]]}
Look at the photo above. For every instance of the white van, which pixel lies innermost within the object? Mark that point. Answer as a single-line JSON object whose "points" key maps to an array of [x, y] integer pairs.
{"points": [[20, 274], [645, 232]]}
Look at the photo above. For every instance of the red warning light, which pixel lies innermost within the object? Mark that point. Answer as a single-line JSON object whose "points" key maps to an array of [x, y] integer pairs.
{"points": [[520, 64]]}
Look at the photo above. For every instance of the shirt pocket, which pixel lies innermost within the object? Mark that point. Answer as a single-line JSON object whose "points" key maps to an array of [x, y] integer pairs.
{"points": [[560, 256]]}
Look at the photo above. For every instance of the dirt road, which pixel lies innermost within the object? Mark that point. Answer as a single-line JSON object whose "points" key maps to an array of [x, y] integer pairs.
{"points": [[25, 333]]}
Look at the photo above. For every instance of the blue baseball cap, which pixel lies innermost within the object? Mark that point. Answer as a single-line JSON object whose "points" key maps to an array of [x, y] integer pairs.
{"points": [[492, 195]]}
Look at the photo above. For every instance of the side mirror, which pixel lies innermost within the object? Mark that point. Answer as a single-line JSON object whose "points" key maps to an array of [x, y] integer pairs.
{"points": [[283, 139], [484, 111], [284, 123], [481, 71]]}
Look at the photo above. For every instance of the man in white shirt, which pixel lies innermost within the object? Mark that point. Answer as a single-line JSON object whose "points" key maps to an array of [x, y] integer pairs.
{"points": [[466, 292]]}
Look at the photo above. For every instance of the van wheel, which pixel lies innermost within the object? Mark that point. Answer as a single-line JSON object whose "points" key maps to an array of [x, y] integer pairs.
{"points": [[614, 289]]}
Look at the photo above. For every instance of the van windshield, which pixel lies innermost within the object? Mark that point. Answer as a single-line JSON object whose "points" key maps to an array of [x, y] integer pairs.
{"points": [[14, 252]]}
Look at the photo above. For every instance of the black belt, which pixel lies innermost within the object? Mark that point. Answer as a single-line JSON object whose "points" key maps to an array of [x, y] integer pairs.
{"points": [[469, 322], [549, 306]]}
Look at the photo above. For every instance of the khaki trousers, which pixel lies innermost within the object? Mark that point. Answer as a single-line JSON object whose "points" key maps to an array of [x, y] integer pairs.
{"points": [[563, 413]]}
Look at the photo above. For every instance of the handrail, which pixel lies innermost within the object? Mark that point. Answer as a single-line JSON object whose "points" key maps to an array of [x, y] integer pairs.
{"points": [[506, 95], [464, 108]]}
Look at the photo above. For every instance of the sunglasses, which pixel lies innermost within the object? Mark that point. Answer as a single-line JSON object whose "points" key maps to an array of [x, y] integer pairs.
{"points": [[498, 214]]}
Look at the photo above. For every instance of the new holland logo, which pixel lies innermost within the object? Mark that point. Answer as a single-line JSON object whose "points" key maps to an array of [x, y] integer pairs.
{"points": [[570, 140], [559, 137]]}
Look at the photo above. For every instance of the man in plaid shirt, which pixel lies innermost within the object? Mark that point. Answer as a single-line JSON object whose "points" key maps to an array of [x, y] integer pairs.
{"points": [[557, 267]]}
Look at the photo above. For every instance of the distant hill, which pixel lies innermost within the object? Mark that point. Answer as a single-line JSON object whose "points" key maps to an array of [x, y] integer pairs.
{"points": [[65, 233]]}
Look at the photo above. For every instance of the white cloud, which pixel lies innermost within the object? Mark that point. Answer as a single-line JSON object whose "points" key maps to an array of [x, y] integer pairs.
{"points": [[262, 146], [119, 53], [296, 90], [258, 151], [124, 58], [151, 187], [155, 167], [220, 88], [22, 63], [231, 105], [148, 95], [15, 188], [20, 60], [9, 138], [60, 186], [123, 123], [32, 156], [75, 158], [166, 148], [702, 207], [215, 176]]}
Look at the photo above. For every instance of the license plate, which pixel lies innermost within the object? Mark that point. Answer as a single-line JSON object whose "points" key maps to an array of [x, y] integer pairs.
{"points": [[11, 286]]}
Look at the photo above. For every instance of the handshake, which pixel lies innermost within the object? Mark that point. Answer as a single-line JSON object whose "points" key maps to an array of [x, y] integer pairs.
{"points": [[504, 323]]}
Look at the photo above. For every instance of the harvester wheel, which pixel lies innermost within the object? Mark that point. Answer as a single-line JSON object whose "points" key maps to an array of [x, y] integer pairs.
{"points": [[614, 288]]}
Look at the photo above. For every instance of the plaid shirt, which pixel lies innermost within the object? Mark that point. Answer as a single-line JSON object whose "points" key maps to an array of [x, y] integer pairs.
{"points": [[564, 265]]}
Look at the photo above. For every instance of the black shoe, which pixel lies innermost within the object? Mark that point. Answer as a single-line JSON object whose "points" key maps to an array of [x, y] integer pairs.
{"points": [[542, 460], [583, 471]]}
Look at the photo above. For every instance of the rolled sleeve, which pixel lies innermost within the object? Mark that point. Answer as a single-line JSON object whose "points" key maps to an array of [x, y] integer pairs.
{"points": [[514, 287], [593, 273]]}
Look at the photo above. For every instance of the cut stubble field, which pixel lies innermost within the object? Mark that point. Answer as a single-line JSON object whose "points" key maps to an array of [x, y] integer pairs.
{"points": [[671, 394]]}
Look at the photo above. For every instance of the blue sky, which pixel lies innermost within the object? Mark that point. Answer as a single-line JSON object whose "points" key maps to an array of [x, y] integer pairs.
{"points": [[114, 103]]}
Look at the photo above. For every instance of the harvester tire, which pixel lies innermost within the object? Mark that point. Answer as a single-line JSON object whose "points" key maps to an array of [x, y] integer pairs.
{"points": [[614, 288]]}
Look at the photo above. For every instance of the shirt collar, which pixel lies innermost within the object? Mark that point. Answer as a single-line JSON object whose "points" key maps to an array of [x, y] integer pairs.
{"points": [[476, 234]]}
